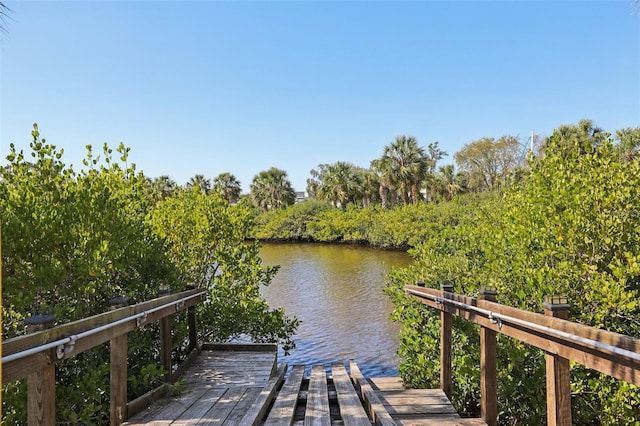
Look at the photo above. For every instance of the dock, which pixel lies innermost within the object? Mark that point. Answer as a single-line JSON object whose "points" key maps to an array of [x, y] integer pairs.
{"points": [[237, 385], [243, 384]]}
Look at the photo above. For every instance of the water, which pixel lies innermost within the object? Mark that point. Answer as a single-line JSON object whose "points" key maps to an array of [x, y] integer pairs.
{"points": [[336, 291]]}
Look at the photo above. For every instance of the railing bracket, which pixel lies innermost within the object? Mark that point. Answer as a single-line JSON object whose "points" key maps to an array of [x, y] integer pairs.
{"points": [[66, 348], [141, 320], [494, 320]]}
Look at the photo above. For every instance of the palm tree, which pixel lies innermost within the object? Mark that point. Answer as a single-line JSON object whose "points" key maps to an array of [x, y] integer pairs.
{"points": [[369, 185], [271, 189], [338, 183], [3, 15], [228, 186], [405, 164], [447, 181], [199, 181], [162, 187], [383, 170]]}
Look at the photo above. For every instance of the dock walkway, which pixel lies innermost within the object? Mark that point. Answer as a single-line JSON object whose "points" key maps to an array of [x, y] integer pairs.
{"points": [[248, 388]]}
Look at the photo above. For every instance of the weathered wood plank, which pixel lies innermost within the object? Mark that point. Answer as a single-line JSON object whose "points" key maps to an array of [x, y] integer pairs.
{"points": [[14, 370], [223, 407], [254, 415], [284, 407], [421, 409], [618, 366], [440, 421], [241, 347], [118, 379], [199, 408], [351, 409], [198, 404], [169, 410], [377, 411], [317, 411], [247, 400], [386, 383]]}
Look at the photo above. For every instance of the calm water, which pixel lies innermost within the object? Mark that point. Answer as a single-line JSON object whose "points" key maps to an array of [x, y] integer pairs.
{"points": [[336, 291]]}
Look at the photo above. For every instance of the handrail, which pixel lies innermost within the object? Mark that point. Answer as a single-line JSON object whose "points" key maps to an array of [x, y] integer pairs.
{"points": [[610, 353], [72, 339], [32, 355], [501, 317]]}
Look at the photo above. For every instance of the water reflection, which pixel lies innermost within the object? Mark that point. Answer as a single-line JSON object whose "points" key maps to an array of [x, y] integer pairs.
{"points": [[337, 293]]}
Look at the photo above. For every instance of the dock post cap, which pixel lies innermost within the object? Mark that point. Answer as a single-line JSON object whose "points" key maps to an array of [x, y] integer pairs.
{"points": [[556, 303]]}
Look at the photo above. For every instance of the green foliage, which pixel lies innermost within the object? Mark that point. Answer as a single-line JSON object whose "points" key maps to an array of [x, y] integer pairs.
{"points": [[402, 227], [488, 161], [72, 240], [205, 237], [270, 190], [570, 227]]}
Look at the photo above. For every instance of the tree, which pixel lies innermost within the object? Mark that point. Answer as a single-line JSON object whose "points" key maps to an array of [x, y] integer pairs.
{"points": [[405, 165], [488, 161], [629, 142], [206, 241], [161, 187], [580, 138], [568, 228], [228, 186], [386, 188], [446, 183], [4, 9], [337, 183], [369, 186], [199, 181], [71, 241], [271, 189]]}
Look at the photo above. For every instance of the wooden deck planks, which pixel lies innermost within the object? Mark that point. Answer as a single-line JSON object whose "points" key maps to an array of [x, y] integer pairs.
{"points": [[285, 404], [418, 406], [377, 411], [317, 411], [221, 390], [351, 409], [221, 387], [253, 416]]}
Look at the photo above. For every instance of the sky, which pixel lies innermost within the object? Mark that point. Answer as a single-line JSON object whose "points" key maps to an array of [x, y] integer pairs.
{"points": [[206, 87]]}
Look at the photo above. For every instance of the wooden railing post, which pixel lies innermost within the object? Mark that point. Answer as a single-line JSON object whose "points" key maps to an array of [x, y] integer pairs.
{"points": [[445, 343], [41, 385], [191, 321], [118, 368], [165, 340], [558, 380], [488, 372]]}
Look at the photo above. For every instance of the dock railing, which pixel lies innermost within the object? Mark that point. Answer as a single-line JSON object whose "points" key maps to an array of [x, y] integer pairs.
{"points": [[34, 355], [610, 353]]}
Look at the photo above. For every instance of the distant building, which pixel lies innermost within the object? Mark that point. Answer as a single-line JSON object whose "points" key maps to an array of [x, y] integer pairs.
{"points": [[300, 196]]}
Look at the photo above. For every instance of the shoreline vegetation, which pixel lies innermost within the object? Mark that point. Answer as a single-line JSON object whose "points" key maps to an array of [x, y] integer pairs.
{"points": [[401, 228], [565, 223], [565, 220]]}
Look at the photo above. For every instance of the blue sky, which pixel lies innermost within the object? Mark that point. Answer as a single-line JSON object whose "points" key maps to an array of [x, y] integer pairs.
{"points": [[210, 87]]}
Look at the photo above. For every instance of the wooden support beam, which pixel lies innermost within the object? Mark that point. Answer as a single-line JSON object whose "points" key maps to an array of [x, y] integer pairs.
{"points": [[193, 330], [488, 371], [41, 392], [445, 344], [558, 380], [165, 340], [41, 384], [118, 370], [165, 347], [16, 369], [600, 359]]}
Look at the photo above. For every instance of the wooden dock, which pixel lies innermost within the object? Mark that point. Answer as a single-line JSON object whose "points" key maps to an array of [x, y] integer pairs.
{"points": [[246, 388]]}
